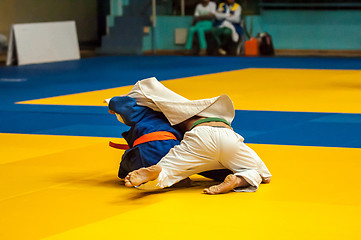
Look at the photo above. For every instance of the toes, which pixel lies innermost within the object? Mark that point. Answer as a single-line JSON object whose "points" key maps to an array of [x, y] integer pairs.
{"points": [[209, 190], [128, 184], [127, 181], [266, 180]]}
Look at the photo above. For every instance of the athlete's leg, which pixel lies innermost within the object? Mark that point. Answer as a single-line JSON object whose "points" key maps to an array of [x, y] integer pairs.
{"points": [[239, 158]]}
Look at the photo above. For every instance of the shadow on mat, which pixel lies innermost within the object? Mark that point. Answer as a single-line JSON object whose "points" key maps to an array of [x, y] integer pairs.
{"points": [[142, 194], [90, 180]]}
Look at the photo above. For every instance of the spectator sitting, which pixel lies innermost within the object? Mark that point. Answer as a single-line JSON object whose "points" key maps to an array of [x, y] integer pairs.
{"points": [[228, 19], [203, 21]]}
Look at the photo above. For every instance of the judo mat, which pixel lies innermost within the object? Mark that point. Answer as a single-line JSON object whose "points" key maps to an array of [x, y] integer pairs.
{"points": [[58, 176]]}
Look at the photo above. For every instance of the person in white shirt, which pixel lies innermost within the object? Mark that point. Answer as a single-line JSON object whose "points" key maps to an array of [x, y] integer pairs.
{"points": [[203, 22]]}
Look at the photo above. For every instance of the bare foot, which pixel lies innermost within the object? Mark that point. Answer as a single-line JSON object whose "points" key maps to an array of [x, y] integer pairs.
{"points": [[229, 183], [142, 175], [266, 179]]}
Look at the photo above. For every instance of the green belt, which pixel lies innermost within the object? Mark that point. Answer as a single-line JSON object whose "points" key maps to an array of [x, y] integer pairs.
{"points": [[204, 120]]}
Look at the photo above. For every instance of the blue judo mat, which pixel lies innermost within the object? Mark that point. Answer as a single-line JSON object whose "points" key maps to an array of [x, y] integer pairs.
{"points": [[267, 127]]}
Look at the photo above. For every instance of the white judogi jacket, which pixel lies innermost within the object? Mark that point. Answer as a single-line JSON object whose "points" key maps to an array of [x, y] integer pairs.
{"points": [[151, 93]]}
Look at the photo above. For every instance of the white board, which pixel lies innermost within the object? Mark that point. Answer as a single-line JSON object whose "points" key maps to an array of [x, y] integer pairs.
{"points": [[180, 36], [32, 43], [11, 58]]}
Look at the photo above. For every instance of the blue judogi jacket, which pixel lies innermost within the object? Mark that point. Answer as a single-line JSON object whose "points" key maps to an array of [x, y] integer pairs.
{"points": [[142, 120]]}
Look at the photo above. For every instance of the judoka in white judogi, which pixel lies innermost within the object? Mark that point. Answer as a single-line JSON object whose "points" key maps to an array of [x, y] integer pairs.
{"points": [[203, 148]]}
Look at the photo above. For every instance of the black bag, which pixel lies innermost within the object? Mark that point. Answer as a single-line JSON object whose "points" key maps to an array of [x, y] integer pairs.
{"points": [[265, 44]]}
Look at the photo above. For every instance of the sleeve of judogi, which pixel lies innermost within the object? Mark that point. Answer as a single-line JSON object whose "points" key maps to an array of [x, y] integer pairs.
{"points": [[141, 99], [252, 177]]}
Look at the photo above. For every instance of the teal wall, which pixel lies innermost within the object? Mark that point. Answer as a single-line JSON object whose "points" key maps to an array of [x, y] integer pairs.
{"points": [[331, 30], [294, 29], [164, 32]]}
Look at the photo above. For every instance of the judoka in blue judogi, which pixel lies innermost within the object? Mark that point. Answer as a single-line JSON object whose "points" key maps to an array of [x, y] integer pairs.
{"points": [[149, 138], [143, 121]]}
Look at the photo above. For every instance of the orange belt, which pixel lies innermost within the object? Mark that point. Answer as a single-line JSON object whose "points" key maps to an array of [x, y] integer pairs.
{"points": [[154, 136]]}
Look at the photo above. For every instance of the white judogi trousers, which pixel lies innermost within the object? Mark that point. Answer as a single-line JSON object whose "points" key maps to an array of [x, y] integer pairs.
{"points": [[208, 148]]}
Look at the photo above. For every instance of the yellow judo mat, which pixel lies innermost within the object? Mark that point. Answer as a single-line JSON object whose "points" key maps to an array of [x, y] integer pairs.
{"points": [[66, 187], [254, 89]]}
